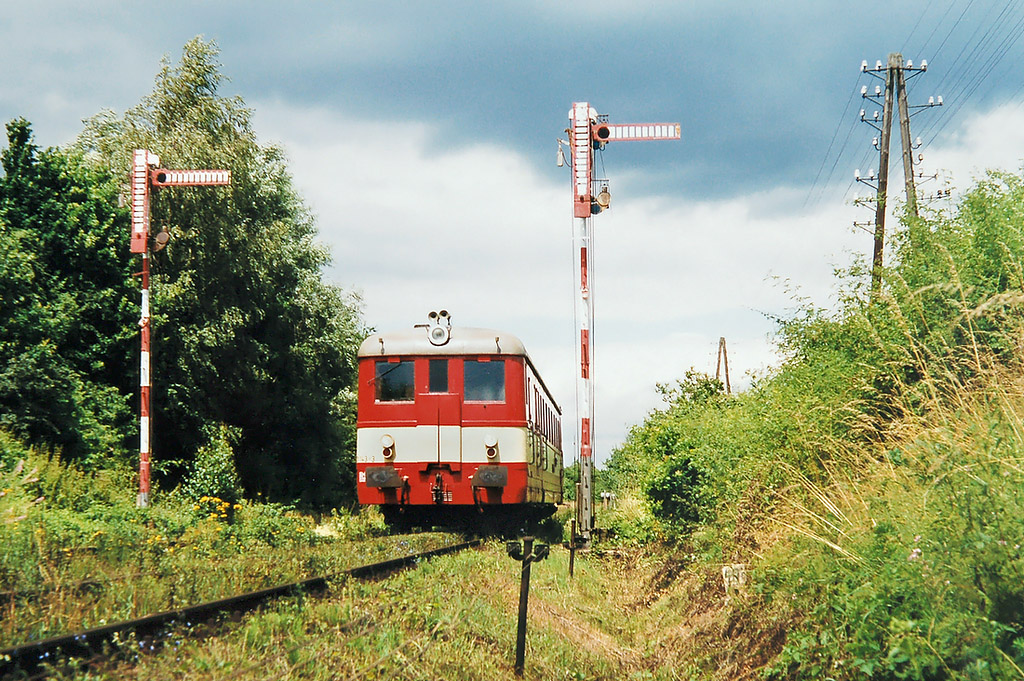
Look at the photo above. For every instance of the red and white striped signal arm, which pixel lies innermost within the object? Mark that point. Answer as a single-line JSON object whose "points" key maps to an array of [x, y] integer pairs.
{"points": [[608, 132], [161, 177]]}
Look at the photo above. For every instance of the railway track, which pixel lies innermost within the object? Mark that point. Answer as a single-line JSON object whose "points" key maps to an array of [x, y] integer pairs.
{"points": [[30, 659]]}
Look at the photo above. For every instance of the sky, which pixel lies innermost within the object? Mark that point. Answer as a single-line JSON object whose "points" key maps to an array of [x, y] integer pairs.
{"points": [[423, 136]]}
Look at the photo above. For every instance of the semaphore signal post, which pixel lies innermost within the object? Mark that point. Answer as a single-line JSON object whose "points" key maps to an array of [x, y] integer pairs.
{"points": [[144, 178], [590, 131]]}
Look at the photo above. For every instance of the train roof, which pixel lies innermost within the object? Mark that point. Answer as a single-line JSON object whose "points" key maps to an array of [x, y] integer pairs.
{"points": [[463, 340]]}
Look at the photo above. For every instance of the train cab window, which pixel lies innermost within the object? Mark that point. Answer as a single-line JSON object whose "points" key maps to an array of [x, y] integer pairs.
{"points": [[484, 381], [395, 381], [438, 376]]}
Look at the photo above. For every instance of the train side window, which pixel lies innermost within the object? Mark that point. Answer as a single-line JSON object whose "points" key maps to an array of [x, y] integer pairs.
{"points": [[484, 381], [438, 376], [395, 381]]}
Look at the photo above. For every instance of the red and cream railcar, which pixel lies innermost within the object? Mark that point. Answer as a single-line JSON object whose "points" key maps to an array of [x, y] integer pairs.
{"points": [[454, 426]]}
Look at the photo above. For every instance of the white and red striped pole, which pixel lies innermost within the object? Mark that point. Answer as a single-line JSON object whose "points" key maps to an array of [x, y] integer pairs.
{"points": [[581, 119], [140, 244], [587, 132], [142, 179], [144, 389]]}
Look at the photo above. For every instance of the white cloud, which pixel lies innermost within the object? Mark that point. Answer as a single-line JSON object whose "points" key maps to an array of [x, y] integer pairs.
{"points": [[984, 140], [478, 231]]}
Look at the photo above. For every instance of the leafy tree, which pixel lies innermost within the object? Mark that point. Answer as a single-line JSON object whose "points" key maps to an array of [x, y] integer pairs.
{"points": [[246, 333], [64, 302]]}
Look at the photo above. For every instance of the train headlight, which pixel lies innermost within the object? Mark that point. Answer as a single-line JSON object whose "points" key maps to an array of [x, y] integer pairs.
{"points": [[439, 335], [387, 444], [491, 443]]}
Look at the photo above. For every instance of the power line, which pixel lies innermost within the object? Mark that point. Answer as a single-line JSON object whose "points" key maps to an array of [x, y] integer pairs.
{"points": [[992, 63], [828, 151], [962, 95], [938, 51], [914, 30], [928, 40]]}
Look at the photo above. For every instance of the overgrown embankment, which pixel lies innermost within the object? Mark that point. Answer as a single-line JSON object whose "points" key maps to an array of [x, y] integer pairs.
{"points": [[871, 484], [76, 552]]}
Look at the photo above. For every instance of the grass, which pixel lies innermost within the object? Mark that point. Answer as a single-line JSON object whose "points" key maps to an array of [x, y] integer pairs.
{"points": [[626, 614], [65, 569], [451, 618]]}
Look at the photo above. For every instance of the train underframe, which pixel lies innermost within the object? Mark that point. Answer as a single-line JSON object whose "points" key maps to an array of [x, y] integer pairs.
{"points": [[485, 499], [490, 520]]}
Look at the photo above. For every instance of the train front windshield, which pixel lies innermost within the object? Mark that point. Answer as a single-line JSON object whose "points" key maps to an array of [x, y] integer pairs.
{"points": [[484, 381]]}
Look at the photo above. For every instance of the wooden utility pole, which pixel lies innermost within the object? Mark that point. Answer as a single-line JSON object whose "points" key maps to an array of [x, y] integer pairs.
{"points": [[908, 152], [883, 179], [723, 357], [894, 73]]}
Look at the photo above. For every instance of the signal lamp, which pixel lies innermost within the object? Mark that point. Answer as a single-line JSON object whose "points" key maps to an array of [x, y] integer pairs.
{"points": [[161, 239]]}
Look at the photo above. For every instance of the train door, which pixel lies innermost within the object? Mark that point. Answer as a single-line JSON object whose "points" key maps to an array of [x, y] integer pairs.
{"points": [[441, 411]]}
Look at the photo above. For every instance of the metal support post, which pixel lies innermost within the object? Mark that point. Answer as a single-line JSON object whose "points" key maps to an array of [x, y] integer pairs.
{"points": [[524, 598], [572, 546], [589, 131], [526, 552], [584, 384]]}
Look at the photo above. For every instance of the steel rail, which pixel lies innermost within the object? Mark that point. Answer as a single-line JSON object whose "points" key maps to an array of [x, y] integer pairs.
{"points": [[29, 658]]}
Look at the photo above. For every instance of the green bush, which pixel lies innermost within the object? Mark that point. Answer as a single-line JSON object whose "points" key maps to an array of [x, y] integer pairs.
{"points": [[677, 492], [213, 471], [884, 449], [928, 582]]}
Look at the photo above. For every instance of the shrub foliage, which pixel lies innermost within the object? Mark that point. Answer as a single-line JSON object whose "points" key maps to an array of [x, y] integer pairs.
{"points": [[246, 333], [882, 458]]}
